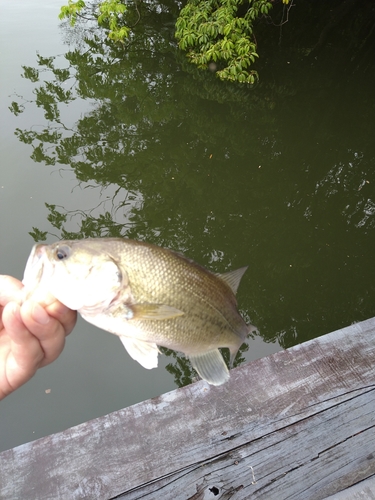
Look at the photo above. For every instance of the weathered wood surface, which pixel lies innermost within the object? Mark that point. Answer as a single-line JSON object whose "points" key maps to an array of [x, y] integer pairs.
{"points": [[299, 424], [365, 490]]}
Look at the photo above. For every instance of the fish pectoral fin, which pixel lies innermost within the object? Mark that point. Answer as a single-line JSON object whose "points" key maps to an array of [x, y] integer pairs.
{"points": [[152, 311], [145, 353], [233, 278], [211, 367]]}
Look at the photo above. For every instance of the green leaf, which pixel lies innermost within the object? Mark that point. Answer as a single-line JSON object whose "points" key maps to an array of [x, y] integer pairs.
{"points": [[38, 235], [31, 74], [217, 31], [15, 108]]}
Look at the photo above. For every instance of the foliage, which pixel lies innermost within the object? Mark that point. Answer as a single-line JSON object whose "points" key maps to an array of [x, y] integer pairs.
{"points": [[108, 14], [111, 12], [38, 235], [217, 34], [72, 10], [220, 34]]}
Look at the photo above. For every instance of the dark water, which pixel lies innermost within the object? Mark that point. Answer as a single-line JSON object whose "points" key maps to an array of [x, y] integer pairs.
{"points": [[135, 142]]}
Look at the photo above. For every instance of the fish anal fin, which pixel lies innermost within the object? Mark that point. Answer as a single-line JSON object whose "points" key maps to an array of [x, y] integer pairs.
{"points": [[210, 366], [146, 353], [233, 278]]}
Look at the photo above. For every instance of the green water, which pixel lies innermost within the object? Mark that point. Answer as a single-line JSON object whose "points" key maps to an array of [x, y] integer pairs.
{"points": [[135, 142]]}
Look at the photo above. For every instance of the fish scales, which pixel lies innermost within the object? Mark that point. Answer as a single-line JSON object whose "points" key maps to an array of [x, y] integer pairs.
{"points": [[189, 285], [147, 295]]}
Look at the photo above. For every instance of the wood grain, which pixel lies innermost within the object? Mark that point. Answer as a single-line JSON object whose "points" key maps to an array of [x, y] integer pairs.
{"points": [[299, 424]]}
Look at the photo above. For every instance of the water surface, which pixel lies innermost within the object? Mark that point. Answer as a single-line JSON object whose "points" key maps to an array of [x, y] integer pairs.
{"points": [[135, 142]]}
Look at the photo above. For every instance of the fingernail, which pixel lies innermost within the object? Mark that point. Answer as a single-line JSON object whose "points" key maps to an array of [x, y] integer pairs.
{"points": [[39, 315]]}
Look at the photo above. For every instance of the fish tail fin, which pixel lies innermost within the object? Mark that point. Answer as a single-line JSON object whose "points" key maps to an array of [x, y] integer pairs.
{"points": [[211, 367]]}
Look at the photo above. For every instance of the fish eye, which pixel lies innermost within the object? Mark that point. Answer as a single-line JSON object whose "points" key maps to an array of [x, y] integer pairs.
{"points": [[63, 252]]}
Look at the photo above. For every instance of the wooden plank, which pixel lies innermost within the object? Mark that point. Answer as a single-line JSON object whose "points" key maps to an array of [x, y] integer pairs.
{"points": [[297, 424], [365, 490], [292, 463]]}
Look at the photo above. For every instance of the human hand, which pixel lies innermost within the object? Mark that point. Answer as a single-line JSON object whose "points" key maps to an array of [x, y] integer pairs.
{"points": [[32, 334]]}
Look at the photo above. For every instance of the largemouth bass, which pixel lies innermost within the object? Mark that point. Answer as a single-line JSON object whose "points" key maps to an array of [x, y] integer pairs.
{"points": [[147, 295]]}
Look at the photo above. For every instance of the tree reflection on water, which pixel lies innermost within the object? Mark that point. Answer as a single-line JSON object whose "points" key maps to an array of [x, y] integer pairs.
{"points": [[279, 176]]}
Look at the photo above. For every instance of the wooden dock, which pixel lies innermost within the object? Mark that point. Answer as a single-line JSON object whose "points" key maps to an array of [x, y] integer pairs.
{"points": [[297, 425]]}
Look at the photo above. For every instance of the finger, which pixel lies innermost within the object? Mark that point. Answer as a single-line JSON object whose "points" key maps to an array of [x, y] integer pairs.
{"points": [[24, 347], [20, 351], [63, 315], [49, 332], [54, 308]]}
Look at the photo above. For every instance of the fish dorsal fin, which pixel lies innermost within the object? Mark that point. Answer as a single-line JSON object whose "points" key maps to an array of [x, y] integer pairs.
{"points": [[233, 278], [210, 366], [146, 353]]}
